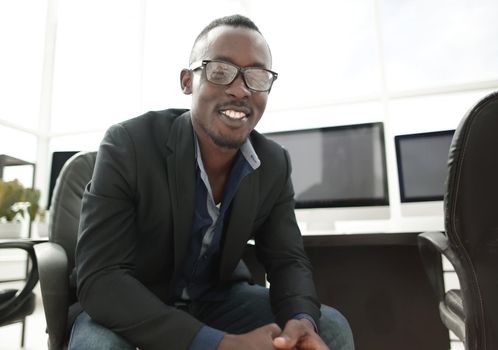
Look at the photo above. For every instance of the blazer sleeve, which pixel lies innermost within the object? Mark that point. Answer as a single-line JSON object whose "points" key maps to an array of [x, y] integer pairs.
{"points": [[107, 287], [279, 247]]}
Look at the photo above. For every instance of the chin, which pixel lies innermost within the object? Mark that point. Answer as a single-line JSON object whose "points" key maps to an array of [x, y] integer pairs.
{"points": [[228, 143]]}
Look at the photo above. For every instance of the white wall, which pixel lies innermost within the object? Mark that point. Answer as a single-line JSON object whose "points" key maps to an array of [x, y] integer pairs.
{"points": [[69, 69]]}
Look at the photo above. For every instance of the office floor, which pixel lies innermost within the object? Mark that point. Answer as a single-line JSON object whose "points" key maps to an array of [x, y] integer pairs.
{"points": [[35, 339]]}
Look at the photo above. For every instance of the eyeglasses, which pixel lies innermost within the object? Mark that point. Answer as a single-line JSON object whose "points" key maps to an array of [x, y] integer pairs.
{"points": [[224, 73]]}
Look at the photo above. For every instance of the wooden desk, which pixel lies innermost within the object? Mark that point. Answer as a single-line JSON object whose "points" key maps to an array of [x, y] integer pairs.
{"points": [[378, 282]]}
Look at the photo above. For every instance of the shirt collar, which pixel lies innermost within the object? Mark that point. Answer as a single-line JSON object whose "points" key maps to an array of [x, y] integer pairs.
{"points": [[247, 151], [250, 155]]}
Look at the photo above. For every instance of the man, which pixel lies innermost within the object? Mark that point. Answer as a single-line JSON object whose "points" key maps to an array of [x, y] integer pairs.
{"points": [[174, 198]]}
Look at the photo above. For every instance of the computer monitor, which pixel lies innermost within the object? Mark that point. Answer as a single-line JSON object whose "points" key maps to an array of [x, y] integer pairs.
{"points": [[337, 167], [422, 165], [339, 174], [58, 161]]}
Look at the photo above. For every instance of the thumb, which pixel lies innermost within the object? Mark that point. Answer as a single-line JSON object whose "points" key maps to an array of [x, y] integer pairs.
{"points": [[290, 336], [284, 341]]}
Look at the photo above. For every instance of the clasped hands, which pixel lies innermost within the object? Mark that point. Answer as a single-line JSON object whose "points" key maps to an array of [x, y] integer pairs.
{"points": [[297, 335]]}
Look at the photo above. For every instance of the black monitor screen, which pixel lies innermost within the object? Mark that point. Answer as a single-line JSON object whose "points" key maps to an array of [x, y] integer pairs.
{"points": [[337, 166], [422, 165], [58, 161]]}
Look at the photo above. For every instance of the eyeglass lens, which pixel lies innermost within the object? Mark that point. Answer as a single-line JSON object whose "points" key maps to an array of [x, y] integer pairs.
{"points": [[223, 73]]}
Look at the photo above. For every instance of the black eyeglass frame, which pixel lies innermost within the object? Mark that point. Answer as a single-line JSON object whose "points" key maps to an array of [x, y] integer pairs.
{"points": [[240, 70]]}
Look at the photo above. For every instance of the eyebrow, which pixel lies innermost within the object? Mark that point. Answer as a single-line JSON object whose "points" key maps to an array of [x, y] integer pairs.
{"points": [[226, 59]]}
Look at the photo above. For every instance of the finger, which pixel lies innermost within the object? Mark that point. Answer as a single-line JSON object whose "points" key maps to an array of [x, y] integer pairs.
{"points": [[283, 343], [312, 342], [273, 329], [290, 336]]}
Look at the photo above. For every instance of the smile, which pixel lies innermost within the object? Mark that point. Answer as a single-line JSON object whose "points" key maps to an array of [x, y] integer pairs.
{"points": [[235, 115]]}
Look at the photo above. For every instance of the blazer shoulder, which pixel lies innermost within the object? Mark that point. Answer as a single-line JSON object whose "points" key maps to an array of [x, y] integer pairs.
{"points": [[155, 119], [153, 127], [268, 150]]}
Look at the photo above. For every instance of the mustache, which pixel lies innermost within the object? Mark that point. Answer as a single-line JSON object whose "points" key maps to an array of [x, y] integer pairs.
{"points": [[237, 105]]}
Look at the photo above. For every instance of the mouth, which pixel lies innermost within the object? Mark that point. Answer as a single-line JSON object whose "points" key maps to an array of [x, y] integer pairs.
{"points": [[235, 113]]}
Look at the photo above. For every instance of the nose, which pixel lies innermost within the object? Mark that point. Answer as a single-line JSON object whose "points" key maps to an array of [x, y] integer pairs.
{"points": [[238, 88]]}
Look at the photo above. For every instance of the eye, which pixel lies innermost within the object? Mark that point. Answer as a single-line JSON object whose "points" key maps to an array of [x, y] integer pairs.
{"points": [[258, 79], [219, 71]]}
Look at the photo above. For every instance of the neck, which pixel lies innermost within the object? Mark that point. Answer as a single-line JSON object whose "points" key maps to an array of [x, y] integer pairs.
{"points": [[217, 160], [217, 163]]}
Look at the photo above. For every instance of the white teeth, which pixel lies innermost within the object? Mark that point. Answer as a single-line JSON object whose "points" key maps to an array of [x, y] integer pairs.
{"points": [[234, 114]]}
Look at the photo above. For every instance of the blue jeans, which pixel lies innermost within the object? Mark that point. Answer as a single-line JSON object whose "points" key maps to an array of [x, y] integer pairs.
{"points": [[246, 308]]}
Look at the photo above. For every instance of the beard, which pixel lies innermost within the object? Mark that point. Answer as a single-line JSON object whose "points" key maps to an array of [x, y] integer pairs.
{"points": [[225, 141]]}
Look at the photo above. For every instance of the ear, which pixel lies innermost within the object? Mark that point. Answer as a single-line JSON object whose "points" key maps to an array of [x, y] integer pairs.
{"points": [[186, 77]]}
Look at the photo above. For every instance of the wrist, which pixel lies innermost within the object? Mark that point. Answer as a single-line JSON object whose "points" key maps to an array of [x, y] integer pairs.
{"points": [[308, 324], [226, 342], [305, 316]]}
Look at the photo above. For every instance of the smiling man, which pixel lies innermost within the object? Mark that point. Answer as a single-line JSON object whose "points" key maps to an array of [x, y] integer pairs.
{"points": [[174, 198]]}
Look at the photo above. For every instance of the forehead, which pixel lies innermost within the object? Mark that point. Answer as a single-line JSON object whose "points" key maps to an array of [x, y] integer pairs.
{"points": [[241, 46]]}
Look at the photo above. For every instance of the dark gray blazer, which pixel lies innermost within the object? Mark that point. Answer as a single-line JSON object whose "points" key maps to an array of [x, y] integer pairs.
{"points": [[136, 224]]}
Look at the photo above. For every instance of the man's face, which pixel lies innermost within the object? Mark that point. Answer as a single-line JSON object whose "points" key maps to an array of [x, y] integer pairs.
{"points": [[226, 114]]}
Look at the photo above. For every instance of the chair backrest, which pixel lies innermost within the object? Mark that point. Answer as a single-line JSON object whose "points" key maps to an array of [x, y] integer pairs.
{"points": [[66, 201], [471, 219]]}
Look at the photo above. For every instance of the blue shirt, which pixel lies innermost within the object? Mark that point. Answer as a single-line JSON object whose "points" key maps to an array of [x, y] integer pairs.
{"points": [[202, 263], [199, 276]]}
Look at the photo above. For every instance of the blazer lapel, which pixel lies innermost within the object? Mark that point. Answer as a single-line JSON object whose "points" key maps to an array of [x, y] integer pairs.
{"points": [[180, 165], [239, 229]]}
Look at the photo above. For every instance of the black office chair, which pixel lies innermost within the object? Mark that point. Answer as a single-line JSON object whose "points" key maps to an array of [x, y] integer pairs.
{"points": [[56, 257], [17, 304], [470, 240]]}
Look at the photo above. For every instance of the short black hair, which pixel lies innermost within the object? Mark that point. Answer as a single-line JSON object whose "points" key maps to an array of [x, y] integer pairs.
{"points": [[232, 21]]}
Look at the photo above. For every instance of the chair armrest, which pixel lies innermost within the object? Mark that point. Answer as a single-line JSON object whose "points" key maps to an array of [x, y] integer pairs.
{"points": [[439, 241], [54, 282], [12, 305], [431, 245]]}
